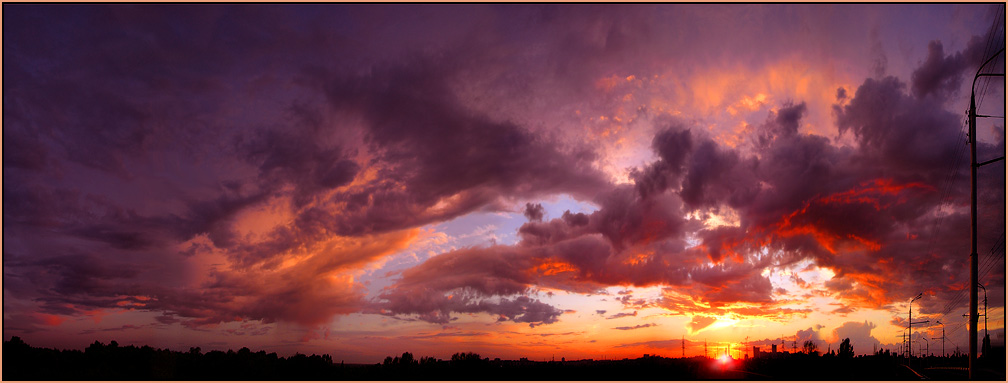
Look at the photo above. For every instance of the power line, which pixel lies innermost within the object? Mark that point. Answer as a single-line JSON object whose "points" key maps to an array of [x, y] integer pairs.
{"points": [[988, 48], [989, 262], [947, 186], [958, 299], [993, 257], [997, 248]]}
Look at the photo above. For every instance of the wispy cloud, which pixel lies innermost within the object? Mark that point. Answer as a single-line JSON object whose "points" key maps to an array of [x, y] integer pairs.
{"points": [[640, 326]]}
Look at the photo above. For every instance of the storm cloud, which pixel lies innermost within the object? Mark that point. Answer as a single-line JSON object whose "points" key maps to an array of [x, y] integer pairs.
{"points": [[215, 165]]}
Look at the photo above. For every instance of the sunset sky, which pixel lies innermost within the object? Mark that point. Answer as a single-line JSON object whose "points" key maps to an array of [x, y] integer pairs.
{"points": [[577, 181]]}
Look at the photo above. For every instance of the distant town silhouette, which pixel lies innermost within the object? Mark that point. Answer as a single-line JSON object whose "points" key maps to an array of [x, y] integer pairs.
{"points": [[111, 361]]}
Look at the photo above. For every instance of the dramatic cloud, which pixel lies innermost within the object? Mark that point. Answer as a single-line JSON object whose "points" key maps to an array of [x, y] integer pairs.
{"points": [[798, 197], [809, 334], [941, 75], [221, 168], [859, 334], [534, 212], [289, 165]]}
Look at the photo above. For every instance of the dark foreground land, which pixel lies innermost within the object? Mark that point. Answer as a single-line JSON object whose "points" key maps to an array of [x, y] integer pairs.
{"points": [[113, 362]]}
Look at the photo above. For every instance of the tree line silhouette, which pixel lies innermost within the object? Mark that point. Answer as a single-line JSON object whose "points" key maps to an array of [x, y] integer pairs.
{"points": [[111, 361]]}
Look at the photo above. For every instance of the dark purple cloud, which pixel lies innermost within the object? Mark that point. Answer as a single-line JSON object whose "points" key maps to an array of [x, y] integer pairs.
{"points": [[897, 129], [534, 212], [854, 210], [640, 326], [482, 280], [718, 176], [672, 145], [621, 315], [214, 112], [415, 122], [940, 75]]}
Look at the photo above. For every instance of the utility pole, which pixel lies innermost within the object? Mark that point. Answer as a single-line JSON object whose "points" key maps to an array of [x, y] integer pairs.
{"points": [[942, 337], [973, 232], [973, 215], [684, 346], [902, 346]]}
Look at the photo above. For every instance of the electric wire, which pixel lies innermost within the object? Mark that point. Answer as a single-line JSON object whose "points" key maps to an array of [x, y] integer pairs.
{"points": [[997, 250], [988, 49]]}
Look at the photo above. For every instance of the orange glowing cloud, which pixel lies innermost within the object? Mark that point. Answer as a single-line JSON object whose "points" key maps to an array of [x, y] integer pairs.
{"points": [[871, 193], [550, 267]]}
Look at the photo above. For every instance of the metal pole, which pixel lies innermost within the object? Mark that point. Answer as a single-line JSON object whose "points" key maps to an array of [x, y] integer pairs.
{"points": [[973, 236], [910, 326], [973, 222], [943, 337]]}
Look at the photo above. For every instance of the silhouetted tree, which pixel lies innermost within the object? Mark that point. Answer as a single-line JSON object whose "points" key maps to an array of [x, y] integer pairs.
{"points": [[846, 350], [465, 357], [115, 362], [810, 347], [407, 359]]}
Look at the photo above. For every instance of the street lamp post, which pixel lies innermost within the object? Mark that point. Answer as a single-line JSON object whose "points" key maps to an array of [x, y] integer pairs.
{"points": [[910, 325], [973, 213]]}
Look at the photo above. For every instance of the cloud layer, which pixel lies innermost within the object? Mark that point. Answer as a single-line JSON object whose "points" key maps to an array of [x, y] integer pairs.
{"points": [[218, 164]]}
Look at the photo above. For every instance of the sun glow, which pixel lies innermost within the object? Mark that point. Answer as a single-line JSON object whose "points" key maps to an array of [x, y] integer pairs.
{"points": [[724, 359]]}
